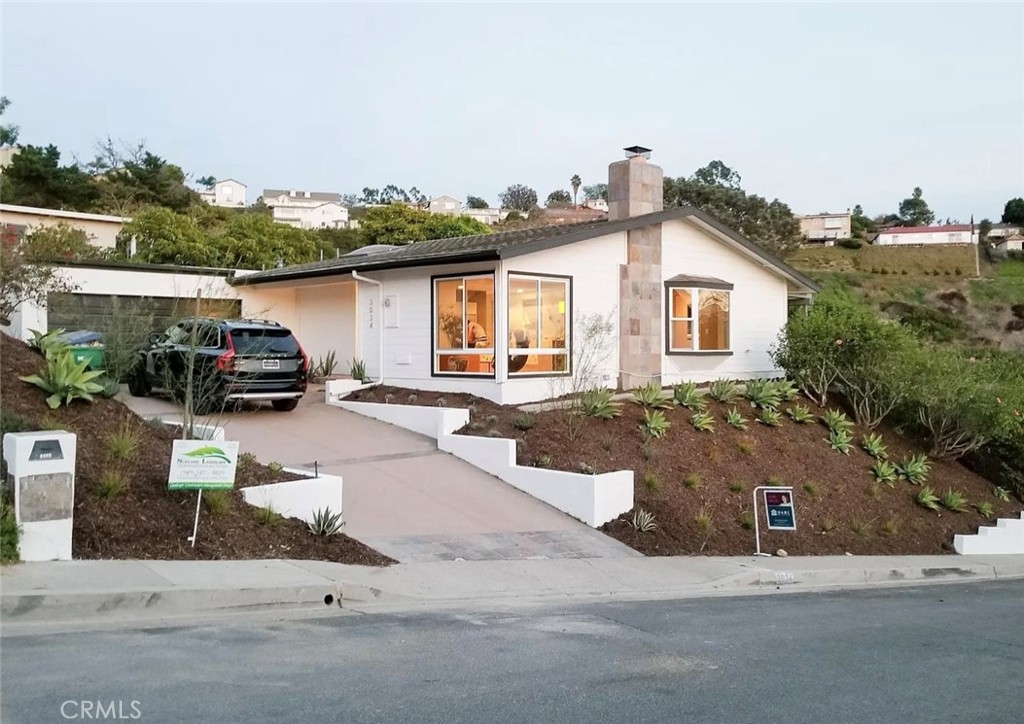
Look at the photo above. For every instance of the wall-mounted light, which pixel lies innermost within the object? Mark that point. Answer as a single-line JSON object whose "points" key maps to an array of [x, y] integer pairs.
{"points": [[561, 306]]}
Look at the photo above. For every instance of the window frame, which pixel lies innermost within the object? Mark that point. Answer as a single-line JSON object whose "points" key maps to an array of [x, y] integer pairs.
{"points": [[567, 280], [694, 290], [435, 352]]}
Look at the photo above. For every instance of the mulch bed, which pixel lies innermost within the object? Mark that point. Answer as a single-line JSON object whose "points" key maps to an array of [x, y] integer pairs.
{"points": [[841, 512], [145, 520]]}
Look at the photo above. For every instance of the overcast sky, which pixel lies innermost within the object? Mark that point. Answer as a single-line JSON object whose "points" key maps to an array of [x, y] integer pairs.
{"points": [[822, 105]]}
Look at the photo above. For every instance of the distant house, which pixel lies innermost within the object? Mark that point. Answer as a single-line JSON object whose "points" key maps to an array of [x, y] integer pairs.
{"points": [[306, 209], [101, 229], [596, 204], [573, 215], [1009, 243], [928, 235], [1001, 231], [487, 216], [825, 229], [444, 205], [226, 192]]}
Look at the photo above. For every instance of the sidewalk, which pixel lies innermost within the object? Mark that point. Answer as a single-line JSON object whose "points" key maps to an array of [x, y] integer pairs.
{"points": [[107, 590]]}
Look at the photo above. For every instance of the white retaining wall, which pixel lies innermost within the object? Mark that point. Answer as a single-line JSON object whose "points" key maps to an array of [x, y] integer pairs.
{"points": [[1006, 536], [593, 499], [298, 498]]}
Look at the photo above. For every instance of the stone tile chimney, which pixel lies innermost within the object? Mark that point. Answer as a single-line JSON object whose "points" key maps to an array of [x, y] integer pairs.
{"points": [[635, 187]]}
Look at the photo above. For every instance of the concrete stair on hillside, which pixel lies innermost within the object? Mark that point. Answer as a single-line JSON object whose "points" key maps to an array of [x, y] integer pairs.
{"points": [[1007, 536]]}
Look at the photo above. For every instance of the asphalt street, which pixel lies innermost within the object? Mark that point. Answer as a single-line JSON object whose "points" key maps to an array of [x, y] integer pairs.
{"points": [[946, 653]]}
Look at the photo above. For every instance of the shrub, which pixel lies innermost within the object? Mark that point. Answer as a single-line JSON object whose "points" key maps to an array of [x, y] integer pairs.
{"points": [[652, 481], [599, 403], [954, 500], [325, 523], [850, 243], [873, 446], [811, 489], [122, 444], [651, 397], [247, 458], [724, 391], [745, 446], [985, 510], [643, 521], [11, 422], [860, 527], [686, 395], [770, 416], [267, 517], [746, 520], [524, 422], [873, 369], [703, 421], [1001, 494], [655, 424], [735, 419], [914, 469], [800, 414], [841, 441], [926, 498], [692, 481], [884, 472], [775, 481], [828, 524], [216, 501], [65, 380], [112, 482], [891, 526], [544, 461], [736, 487], [811, 345], [874, 491], [9, 532], [762, 393], [705, 520]]}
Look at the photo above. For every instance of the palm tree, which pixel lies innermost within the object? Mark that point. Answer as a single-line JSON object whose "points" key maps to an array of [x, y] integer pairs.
{"points": [[575, 182]]}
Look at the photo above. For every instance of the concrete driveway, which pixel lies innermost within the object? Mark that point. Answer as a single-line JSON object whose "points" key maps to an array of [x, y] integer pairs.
{"points": [[402, 495]]}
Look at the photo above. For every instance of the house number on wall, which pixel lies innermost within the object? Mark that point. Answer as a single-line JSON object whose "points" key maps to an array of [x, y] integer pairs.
{"points": [[371, 312]]}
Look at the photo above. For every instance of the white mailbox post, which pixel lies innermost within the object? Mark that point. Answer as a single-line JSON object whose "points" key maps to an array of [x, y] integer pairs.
{"points": [[41, 478]]}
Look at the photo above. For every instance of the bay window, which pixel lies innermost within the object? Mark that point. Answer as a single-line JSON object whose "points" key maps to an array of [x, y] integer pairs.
{"points": [[463, 338], [697, 315], [539, 317]]}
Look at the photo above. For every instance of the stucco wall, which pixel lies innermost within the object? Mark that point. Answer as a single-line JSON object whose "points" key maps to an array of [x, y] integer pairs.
{"points": [[325, 321], [102, 230]]}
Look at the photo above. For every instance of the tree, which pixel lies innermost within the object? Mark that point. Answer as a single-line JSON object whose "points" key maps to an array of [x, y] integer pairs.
{"points": [[475, 202], [717, 173], [1013, 212], [860, 224], [914, 211], [8, 132], [400, 224], [596, 191], [22, 280], [445, 226], [575, 182], [984, 227], [129, 176], [36, 178], [558, 199], [207, 182], [163, 237], [59, 243], [254, 241], [519, 197]]}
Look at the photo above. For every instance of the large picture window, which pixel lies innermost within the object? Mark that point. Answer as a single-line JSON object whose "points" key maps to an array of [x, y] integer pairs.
{"points": [[539, 315], [697, 317], [464, 325]]}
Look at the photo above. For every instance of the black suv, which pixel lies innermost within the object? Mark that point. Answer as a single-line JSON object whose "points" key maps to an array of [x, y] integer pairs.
{"points": [[233, 360]]}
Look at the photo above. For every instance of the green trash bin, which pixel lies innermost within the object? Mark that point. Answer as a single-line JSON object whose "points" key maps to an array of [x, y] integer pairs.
{"points": [[93, 354]]}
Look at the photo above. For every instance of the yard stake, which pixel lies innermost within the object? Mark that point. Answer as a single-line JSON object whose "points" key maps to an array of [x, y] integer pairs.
{"points": [[195, 526]]}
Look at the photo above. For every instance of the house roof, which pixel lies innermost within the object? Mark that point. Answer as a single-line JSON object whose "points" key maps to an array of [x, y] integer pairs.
{"points": [[508, 244], [61, 214], [927, 229], [225, 180], [313, 195]]}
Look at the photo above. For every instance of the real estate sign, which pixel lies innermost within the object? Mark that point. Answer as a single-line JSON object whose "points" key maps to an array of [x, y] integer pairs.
{"points": [[202, 465], [778, 505]]}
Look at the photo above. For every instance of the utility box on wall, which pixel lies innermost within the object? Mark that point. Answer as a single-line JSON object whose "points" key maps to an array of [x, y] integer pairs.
{"points": [[41, 480]]}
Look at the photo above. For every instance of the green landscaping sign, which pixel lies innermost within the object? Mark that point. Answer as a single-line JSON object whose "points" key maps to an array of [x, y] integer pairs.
{"points": [[202, 465]]}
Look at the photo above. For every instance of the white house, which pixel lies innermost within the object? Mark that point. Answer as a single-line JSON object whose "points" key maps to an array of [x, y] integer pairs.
{"points": [[101, 229], [919, 235], [444, 205], [505, 316], [1009, 243], [306, 209], [596, 204], [1002, 230], [488, 216], [826, 228], [226, 192]]}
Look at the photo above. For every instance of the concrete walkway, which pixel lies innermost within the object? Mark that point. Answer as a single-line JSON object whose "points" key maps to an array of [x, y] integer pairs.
{"points": [[81, 591], [403, 496]]}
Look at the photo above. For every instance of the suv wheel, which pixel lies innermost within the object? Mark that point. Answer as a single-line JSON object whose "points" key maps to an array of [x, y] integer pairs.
{"points": [[138, 386], [284, 405]]}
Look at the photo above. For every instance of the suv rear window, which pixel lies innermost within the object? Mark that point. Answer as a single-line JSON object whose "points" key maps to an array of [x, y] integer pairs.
{"points": [[264, 341]]}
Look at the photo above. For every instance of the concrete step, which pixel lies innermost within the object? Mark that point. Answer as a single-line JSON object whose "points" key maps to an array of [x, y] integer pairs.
{"points": [[1006, 536]]}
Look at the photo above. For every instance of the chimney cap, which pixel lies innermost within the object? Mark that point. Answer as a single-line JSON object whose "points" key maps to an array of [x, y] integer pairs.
{"points": [[632, 151]]}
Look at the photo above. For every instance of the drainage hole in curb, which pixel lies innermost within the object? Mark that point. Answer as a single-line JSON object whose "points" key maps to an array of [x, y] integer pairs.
{"points": [[328, 599]]}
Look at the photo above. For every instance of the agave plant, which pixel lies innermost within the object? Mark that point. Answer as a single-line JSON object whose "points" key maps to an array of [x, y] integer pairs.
{"points": [[599, 403], [884, 472], [326, 523], [841, 441], [787, 390], [357, 369], [703, 421], [762, 393], [800, 414], [654, 424], [48, 343], [985, 510], [1001, 494], [954, 500], [651, 397], [643, 521], [874, 447], [770, 416], [836, 420], [926, 498], [914, 469], [686, 395], [735, 419], [723, 390], [66, 380]]}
